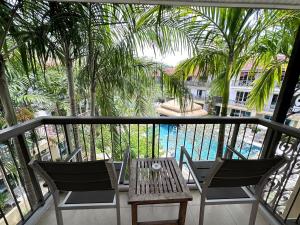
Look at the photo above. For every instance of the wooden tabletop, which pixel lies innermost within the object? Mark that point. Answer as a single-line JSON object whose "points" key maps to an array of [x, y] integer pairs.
{"points": [[164, 186]]}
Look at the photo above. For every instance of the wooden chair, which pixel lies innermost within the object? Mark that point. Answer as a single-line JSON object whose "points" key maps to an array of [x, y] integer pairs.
{"points": [[90, 185], [224, 181]]}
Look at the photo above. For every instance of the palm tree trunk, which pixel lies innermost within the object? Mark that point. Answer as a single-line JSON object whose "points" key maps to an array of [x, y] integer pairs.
{"points": [[93, 129], [91, 72], [71, 90], [11, 119], [225, 99]]}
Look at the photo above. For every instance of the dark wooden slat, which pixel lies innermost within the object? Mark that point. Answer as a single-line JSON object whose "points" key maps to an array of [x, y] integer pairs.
{"points": [[180, 178], [162, 174], [132, 182], [171, 177], [161, 189], [165, 176], [178, 186], [147, 183], [139, 179], [161, 222]]}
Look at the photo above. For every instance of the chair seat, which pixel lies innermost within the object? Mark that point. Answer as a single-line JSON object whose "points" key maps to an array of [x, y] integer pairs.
{"points": [[105, 196], [226, 193]]}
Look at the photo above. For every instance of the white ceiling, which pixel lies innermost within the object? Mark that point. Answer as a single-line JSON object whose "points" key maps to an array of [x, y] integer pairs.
{"points": [[272, 4]]}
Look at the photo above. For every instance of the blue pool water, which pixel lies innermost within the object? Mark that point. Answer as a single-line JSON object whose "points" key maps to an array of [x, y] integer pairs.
{"points": [[194, 142]]}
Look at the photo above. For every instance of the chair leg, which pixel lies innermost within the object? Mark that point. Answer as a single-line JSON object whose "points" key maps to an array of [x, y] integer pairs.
{"points": [[202, 207], [58, 213], [59, 218], [253, 213], [118, 207], [118, 215]]}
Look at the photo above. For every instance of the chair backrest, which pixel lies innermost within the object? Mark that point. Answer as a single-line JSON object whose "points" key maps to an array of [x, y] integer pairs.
{"points": [[237, 173], [76, 176]]}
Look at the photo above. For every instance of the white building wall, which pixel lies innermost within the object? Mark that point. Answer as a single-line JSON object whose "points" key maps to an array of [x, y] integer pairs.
{"points": [[235, 86]]}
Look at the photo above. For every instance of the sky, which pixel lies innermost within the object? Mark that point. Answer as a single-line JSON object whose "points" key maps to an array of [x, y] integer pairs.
{"points": [[171, 59]]}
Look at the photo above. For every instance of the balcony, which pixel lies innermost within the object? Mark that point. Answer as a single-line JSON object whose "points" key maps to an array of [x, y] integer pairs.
{"points": [[54, 138], [215, 215]]}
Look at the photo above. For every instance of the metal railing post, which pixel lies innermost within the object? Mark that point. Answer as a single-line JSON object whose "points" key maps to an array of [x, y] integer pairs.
{"points": [[67, 136], [25, 157], [153, 142], [233, 139]]}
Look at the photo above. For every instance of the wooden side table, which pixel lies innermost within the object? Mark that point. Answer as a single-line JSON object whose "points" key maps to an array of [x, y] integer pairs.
{"points": [[165, 186]]}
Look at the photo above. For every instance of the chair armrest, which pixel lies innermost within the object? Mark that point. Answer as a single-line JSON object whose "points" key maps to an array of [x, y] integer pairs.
{"points": [[183, 153], [73, 154], [229, 149], [126, 161]]}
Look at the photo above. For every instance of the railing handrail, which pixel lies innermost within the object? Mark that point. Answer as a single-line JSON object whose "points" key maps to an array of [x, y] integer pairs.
{"points": [[20, 129], [148, 120]]}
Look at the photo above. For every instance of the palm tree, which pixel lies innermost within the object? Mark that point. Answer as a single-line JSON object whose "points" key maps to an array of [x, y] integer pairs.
{"points": [[56, 34], [111, 65], [221, 40]]}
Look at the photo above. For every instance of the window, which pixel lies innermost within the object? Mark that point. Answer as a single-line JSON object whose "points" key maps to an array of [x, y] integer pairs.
{"points": [[241, 97], [274, 100], [235, 112], [199, 93], [245, 114], [240, 113], [246, 79], [286, 122], [62, 148], [243, 75]]}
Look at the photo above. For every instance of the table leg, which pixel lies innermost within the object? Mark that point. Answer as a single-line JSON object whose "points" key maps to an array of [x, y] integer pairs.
{"points": [[182, 213], [134, 214]]}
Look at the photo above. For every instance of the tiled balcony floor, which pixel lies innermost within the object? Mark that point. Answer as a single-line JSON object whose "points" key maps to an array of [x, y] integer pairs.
{"points": [[214, 215]]}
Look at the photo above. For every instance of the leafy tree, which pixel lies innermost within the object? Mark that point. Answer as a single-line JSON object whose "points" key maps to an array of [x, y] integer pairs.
{"points": [[3, 199], [11, 40]]}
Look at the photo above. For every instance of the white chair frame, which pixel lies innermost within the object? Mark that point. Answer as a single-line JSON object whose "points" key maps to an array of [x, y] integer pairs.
{"points": [[60, 206], [253, 198]]}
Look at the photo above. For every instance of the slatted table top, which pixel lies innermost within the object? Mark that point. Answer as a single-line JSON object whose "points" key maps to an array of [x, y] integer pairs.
{"points": [[165, 186]]}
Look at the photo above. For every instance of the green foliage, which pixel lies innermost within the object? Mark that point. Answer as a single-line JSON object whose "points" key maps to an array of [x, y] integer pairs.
{"points": [[2, 123], [119, 138], [3, 199]]}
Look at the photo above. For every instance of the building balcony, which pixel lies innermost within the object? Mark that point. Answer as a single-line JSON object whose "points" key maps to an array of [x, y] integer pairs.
{"points": [[237, 103], [54, 138], [198, 83], [242, 83]]}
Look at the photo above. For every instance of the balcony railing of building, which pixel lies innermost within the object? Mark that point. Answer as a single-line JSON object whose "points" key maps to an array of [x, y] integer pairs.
{"points": [[201, 97], [54, 138], [198, 83], [242, 83], [237, 102]]}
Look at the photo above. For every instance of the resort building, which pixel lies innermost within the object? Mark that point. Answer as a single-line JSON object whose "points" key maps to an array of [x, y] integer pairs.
{"points": [[239, 91]]}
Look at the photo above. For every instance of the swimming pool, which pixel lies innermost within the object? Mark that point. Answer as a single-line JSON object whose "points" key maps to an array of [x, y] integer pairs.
{"points": [[199, 144]]}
